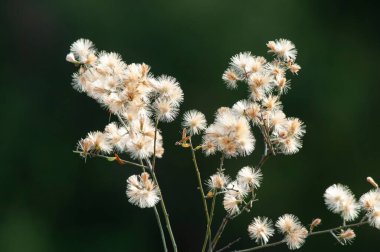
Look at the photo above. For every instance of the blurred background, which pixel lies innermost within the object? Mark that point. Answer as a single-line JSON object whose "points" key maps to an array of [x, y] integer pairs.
{"points": [[51, 200]]}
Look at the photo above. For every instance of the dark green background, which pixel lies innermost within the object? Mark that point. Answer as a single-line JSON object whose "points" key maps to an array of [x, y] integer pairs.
{"points": [[50, 200]]}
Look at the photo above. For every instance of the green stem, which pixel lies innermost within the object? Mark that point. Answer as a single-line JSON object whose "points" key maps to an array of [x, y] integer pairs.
{"points": [[208, 230], [161, 229], [208, 234], [154, 145], [110, 158], [166, 215]]}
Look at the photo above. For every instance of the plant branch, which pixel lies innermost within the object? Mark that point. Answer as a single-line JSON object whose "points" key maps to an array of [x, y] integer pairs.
{"points": [[200, 186], [161, 229], [110, 158], [168, 226], [229, 245], [154, 145], [331, 230]]}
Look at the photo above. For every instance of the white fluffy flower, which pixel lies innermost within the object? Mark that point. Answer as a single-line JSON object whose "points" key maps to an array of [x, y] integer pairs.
{"points": [[347, 236], [295, 233], [296, 238], [165, 110], [261, 229], [249, 177], [218, 181], [195, 121], [83, 50], [374, 217], [99, 142], [283, 48], [142, 191], [340, 200], [287, 223], [231, 204], [370, 200]]}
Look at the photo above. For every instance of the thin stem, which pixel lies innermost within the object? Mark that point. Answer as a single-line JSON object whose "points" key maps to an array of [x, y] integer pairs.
{"points": [[226, 219], [221, 228], [262, 246], [229, 245], [168, 226], [340, 227], [200, 186], [122, 121], [331, 231], [154, 145], [208, 234], [161, 229], [110, 158]]}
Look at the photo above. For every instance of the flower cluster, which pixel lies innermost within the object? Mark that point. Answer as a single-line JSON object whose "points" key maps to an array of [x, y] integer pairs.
{"points": [[136, 98], [266, 83], [128, 91], [247, 181], [339, 199]]}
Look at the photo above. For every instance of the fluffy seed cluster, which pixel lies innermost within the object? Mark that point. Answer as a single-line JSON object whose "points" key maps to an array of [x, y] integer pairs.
{"points": [[340, 200], [130, 92], [218, 181], [247, 180], [195, 121], [230, 134], [266, 82], [291, 227], [370, 203], [261, 229], [346, 236], [141, 191]]}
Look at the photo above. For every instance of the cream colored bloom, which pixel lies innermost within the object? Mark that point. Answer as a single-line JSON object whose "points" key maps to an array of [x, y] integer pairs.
{"points": [[142, 191], [339, 199], [260, 229], [249, 177], [195, 121]]}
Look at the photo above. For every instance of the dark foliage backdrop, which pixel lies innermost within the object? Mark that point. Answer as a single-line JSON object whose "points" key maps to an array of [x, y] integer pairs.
{"points": [[51, 200]]}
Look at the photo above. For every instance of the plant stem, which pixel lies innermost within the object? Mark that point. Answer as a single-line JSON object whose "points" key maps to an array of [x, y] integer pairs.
{"points": [[208, 234], [226, 219], [220, 230], [168, 226], [229, 245], [161, 229], [154, 145], [110, 157], [208, 230], [331, 230]]}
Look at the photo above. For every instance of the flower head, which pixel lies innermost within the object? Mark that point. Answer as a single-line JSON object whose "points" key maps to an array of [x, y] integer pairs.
{"points": [[249, 177], [260, 229], [339, 199], [347, 236], [283, 48], [218, 181], [142, 191], [195, 121]]}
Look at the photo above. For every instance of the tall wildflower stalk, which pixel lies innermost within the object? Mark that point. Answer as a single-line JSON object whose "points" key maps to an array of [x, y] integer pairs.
{"points": [[138, 101]]}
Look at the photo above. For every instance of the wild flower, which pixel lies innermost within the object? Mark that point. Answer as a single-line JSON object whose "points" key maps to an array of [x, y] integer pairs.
{"points": [[261, 229], [137, 102]]}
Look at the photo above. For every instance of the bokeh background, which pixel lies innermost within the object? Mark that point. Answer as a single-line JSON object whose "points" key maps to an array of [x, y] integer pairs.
{"points": [[51, 200]]}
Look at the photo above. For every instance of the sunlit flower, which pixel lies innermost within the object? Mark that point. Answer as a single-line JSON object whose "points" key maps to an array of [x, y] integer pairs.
{"points": [[283, 48]]}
